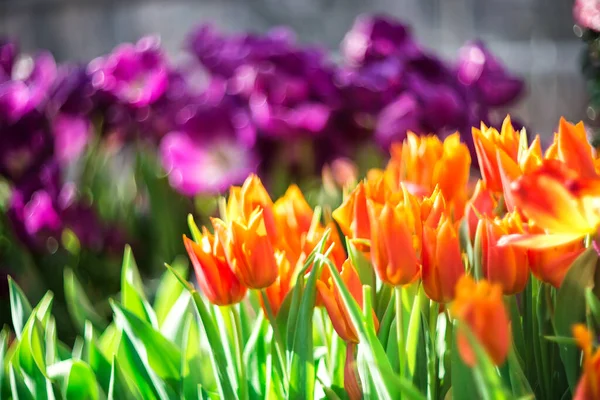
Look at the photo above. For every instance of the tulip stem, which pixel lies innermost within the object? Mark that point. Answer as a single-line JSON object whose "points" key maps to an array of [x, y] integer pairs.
{"points": [[400, 330], [279, 347], [239, 348]]}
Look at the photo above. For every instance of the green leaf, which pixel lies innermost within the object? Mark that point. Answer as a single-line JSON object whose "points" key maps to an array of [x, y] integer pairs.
{"points": [[594, 306], [487, 379], [18, 388], [31, 352], [136, 367], [169, 290], [79, 381], [217, 354], [174, 324], [3, 347], [94, 357], [20, 309], [301, 362], [162, 356], [108, 342], [119, 387], [518, 380], [43, 310], [79, 306], [132, 291], [195, 369], [570, 308]]}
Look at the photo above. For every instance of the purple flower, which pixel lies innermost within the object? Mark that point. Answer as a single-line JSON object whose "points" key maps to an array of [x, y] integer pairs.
{"points": [[73, 92], [71, 136], [377, 37], [397, 119], [221, 55], [479, 69], [27, 85], [195, 167], [8, 54], [25, 146], [135, 75], [212, 149]]}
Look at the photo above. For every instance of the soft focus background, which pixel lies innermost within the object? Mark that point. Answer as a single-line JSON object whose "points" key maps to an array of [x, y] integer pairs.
{"points": [[533, 37]]}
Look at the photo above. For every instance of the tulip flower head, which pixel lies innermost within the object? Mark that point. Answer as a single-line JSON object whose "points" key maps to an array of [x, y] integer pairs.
{"points": [[504, 265], [217, 282], [442, 261], [248, 250], [479, 305], [330, 296], [558, 201]]}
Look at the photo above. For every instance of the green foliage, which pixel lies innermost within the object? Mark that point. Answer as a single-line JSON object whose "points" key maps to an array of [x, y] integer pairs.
{"points": [[183, 347]]}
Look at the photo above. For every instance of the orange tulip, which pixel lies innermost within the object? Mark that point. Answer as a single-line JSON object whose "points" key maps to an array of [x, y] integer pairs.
{"points": [[293, 217], [249, 250], [394, 243], [510, 170], [216, 280], [253, 194], [574, 149], [507, 265], [442, 263], [479, 305], [588, 387], [488, 142], [560, 202], [424, 162], [481, 204], [330, 296], [277, 292], [433, 208], [551, 265], [352, 215]]}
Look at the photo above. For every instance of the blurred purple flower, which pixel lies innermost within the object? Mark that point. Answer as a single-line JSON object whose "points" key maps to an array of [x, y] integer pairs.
{"points": [[397, 119], [478, 68], [195, 167], [222, 54], [135, 75], [26, 87], [8, 53], [377, 37], [71, 136], [212, 149], [25, 146], [73, 92]]}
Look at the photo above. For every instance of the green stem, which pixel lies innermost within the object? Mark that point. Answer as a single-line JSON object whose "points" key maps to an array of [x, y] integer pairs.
{"points": [[400, 330], [279, 347], [433, 362], [239, 348]]}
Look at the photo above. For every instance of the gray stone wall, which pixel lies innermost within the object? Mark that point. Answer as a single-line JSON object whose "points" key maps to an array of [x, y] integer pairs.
{"points": [[534, 37]]}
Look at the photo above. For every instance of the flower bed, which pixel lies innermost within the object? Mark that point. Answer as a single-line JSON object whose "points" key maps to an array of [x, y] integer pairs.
{"points": [[427, 282]]}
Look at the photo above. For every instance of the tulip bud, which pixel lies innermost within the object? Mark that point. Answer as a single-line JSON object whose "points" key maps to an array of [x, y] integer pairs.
{"points": [[215, 278], [442, 263], [588, 387], [480, 306]]}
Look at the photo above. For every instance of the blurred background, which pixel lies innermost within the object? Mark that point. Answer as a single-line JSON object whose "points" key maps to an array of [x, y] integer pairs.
{"points": [[534, 38]]}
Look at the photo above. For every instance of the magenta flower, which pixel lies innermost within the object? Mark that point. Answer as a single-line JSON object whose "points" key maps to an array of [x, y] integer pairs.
{"points": [[136, 75], [71, 136], [587, 14], [195, 167], [25, 87]]}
